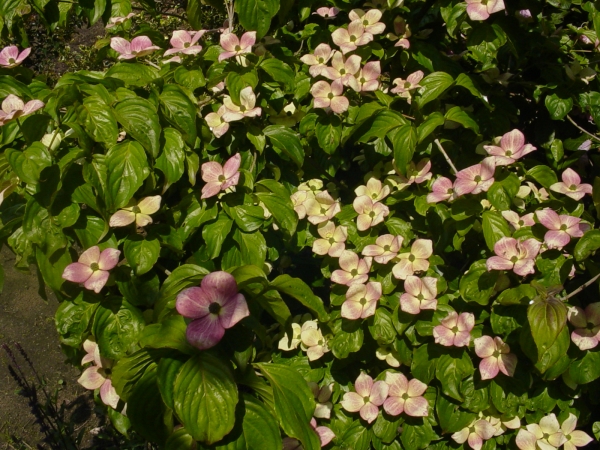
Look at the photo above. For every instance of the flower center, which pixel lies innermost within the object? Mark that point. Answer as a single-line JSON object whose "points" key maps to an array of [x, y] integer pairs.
{"points": [[321, 60], [342, 71], [242, 108], [94, 266], [521, 223], [386, 248], [365, 22], [136, 210], [411, 258], [363, 301], [237, 48], [420, 297], [477, 179], [11, 61], [323, 211], [372, 214], [514, 259], [573, 187], [449, 191], [546, 436], [454, 329], [331, 240], [366, 400], [186, 45], [405, 396], [352, 38], [330, 95], [508, 153], [354, 272], [222, 178], [133, 52], [563, 227], [320, 342], [214, 308], [363, 80]]}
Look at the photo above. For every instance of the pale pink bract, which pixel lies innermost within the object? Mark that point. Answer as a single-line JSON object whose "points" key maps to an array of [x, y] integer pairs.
{"points": [[587, 325], [350, 39], [332, 240], [96, 375], [385, 249], [420, 294], [516, 221], [329, 96], [481, 9], [234, 46], [353, 270], [343, 69], [475, 179], [496, 357], [139, 46], [246, 107], [318, 59], [414, 261], [92, 268], [367, 399], [518, 256], [220, 177], [405, 396], [138, 212], [10, 56], [561, 228], [571, 185], [367, 78], [454, 330], [216, 122], [475, 434], [361, 300], [512, 147], [13, 108], [327, 13], [185, 42], [369, 20], [370, 213], [441, 190], [325, 433]]}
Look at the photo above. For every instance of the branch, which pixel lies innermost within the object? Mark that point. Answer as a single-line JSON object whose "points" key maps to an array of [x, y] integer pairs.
{"points": [[582, 130], [448, 160], [581, 288]]}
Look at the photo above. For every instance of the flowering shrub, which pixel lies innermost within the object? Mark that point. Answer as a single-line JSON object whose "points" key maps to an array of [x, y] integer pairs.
{"points": [[341, 227]]}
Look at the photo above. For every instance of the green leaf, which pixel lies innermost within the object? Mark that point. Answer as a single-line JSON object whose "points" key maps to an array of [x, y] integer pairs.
{"points": [[543, 175], [432, 121], [477, 285], [286, 141], [298, 289], [205, 396], [456, 114], [282, 210], [117, 327], [405, 144], [348, 338], [588, 244], [167, 371], [329, 133], [179, 111], [294, 403], [29, 164], [378, 124], [452, 418], [127, 168], [547, 317], [214, 234], [280, 72], [587, 369], [495, 228], [432, 86], [171, 161], [141, 254], [133, 74], [128, 371], [451, 370], [558, 106], [182, 277], [99, 120], [170, 333], [256, 14], [181, 439], [73, 318], [138, 117]]}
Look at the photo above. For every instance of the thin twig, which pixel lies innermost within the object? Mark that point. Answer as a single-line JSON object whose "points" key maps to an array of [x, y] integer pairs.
{"points": [[582, 129], [581, 288], [448, 160]]}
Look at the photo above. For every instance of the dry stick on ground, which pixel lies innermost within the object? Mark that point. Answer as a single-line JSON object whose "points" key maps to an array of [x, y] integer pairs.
{"points": [[582, 129], [581, 288], [448, 160]]}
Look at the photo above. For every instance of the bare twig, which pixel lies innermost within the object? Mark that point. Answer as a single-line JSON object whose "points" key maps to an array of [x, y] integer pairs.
{"points": [[581, 288], [582, 129], [448, 160]]}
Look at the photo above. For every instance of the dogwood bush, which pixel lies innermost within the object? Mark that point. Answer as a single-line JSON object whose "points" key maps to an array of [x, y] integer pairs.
{"points": [[328, 225]]}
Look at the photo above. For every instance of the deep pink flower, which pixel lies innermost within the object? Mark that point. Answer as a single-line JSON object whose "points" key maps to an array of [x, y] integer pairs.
{"points": [[571, 185], [518, 256], [136, 212], [367, 399], [327, 13], [512, 147], [496, 357], [517, 221], [96, 375], [560, 228], [353, 270], [405, 396], [587, 326], [352, 38], [325, 433], [420, 294], [139, 46], [318, 60], [475, 179], [10, 56], [454, 330], [185, 42], [329, 96], [369, 20], [13, 107], [92, 268], [477, 432], [215, 306], [481, 9], [343, 69], [361, 300], [370, 213], [441, 190], [219, 177], [385, 249], [234, 46], [414, 261]]}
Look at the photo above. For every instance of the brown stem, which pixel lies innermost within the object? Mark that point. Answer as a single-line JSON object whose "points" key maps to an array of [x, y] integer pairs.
{"points": [[581, 288], [582, 129]]}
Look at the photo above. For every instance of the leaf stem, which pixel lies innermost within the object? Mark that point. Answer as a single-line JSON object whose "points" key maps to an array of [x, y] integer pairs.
{"points": [[581, 288], [582, 129], [448, 160]]}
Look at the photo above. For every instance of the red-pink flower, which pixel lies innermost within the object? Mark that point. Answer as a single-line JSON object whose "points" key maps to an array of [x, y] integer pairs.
{"points": [[327, 13], [13, 107], [477, 432], [332, 240], [325, 433], [560, 228], [512, 147], [420, 294], [587, 326], [367, 79], [216, 122], [96, 375], [414, 261], [481, 9], [353, 270], [10, 56], [215, 306], [496, 357], [234, 46], [330, 96], [367, 399], [385, 249], [92, 268], [139, 46], [361, 300], [518, 256], [136, 212], [571, 185], [219, 177], [370, 213], [475, 179], [185, 42], [352, 38], [405, 396], [318, 60], [369, 20], [343, 69], [246, 108], [454, 330], [517, 221], [441, 190]]}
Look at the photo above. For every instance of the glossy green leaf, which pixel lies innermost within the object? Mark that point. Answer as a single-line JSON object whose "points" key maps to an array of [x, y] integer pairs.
{"points": [[433, 85], [179, 111], [140, 120], [298, 289], [256, 14], [127, 168], [117, 327], [286, 141], [547, 317]]}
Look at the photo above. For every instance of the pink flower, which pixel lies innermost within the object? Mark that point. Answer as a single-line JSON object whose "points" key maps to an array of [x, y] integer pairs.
{"points": [[374, 189], [322, 397], [496, 357], [574, 438], [361, 300], [299, 199], [475, 179], [327, 13], [139, 46], [385, 249], [13, 108], [403, 87], [571, 185], [419, 173], [185, 42], [415, 260], [96, 375], [114, 21], [353, 270], [216, 122], [481, 10], [547, 435], [312, 340], [234, 46], [343, 69], [218, 178], [325, 433], [479, 431], [332, 240], [367, 399], [517, 222], [441, 190], [420, 294], [246, 108], [512, 147], [587, 326], [216, 305], [405, 396], [10, 56], [318, 60], [370, 213], [560, 228], [369, 20], [137, 212], [401, 33], [518, 256], [329, 96], [352, 38], [454, 330], [367, 79], [92, 268], [321, 207]]}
